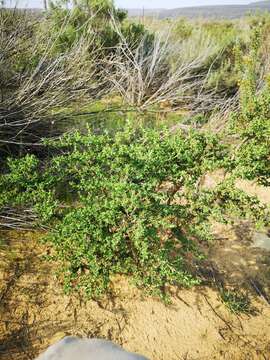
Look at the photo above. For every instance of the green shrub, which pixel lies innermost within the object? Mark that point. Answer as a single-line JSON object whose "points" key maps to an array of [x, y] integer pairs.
{"points": [[252, 122], [127, 204], [182, 29], [92, 20], [236, 301]]}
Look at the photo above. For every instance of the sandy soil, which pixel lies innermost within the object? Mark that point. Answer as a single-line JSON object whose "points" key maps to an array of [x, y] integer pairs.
{"points": [[34, 312]]}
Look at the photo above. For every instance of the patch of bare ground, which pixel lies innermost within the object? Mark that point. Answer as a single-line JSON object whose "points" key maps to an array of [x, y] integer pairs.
{"points": [[34, 312], [234, 262], [239, 258]]}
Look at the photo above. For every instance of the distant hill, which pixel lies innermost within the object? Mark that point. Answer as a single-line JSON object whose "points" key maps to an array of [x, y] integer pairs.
{"points": [[215, 11]]}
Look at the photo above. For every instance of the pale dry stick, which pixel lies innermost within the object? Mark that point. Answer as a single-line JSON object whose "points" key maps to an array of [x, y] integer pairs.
{"points": [[54, 84], [144, 77], [23, 219]]}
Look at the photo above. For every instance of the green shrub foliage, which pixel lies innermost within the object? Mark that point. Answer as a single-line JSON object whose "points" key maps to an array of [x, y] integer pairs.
{"points": [[251, 123], [93, 20], [128, 204]]}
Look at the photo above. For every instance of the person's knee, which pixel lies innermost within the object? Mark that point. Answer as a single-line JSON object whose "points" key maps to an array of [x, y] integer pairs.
{"points": [[72, 348]]}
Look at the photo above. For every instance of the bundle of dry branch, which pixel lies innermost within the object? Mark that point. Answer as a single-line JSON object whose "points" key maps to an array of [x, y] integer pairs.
{"points": [[35, 97]]}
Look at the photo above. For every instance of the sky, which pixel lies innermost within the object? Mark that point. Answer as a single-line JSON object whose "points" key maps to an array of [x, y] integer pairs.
{"points": [[152, 4], [174, 3]]}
